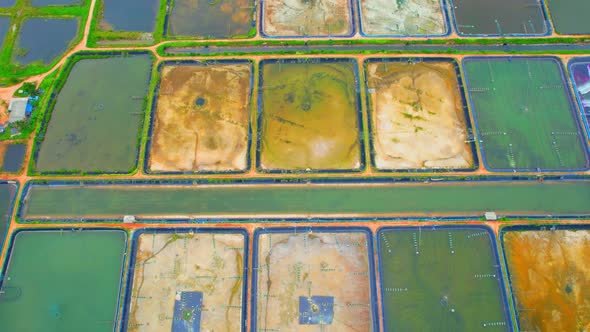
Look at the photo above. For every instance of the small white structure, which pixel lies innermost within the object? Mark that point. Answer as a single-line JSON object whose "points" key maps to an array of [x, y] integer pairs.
{"points": [[17, 109], [491, 216], [128, 219]]}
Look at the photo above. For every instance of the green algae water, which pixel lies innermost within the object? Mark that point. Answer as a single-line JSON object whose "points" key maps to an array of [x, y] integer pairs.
{"points": [[7, 193], [525, 117], [62, 281], [440, 280], [430, 199], [97, 116]]}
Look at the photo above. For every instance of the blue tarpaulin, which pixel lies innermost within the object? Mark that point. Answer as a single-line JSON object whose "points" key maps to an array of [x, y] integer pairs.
{"points": [[316, 310], [187, 312]]}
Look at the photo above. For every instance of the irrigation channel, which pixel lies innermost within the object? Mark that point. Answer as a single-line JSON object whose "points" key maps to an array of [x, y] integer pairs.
{"points": [[89, 201], [412, 48]]}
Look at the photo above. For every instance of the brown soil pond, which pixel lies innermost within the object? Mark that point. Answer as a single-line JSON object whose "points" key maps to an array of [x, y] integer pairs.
{"points": [[201, 118], [550, 278]]}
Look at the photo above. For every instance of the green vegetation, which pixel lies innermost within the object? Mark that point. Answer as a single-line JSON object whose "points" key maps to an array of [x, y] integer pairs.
{"points": [[27, 127]]}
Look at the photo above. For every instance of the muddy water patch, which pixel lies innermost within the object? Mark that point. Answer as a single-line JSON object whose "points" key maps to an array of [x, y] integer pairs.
{"points": [[309, 115]]}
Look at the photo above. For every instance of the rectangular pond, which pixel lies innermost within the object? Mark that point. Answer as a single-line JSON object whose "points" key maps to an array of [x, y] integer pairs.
{"points": [[580, 72], [4, 27], [192, 277], [403, 18], [44, 39], [94, 122], [314, 279], [129, 15], [441, 279], [210, 18], [430, 199], [62, 281], [201, 117], [7, 199], [7, 3], [569, 16], [499, 17], [525, 116], [309, 115], [418, 115], [13, 157], [41, 3], [549, 276], [304, 18]]}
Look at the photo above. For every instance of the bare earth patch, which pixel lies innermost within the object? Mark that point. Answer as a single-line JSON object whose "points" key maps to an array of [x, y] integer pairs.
{"points": [[402, 17], [313, 264], [201, 119], [167, 264], [307, 17], [417, 116], [550, 278]]}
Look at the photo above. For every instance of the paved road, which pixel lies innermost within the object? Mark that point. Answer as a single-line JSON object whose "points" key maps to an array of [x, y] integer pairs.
{"points": [[204, 50]]}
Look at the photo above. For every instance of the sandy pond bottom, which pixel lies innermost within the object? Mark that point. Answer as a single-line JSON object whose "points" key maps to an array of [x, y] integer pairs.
{"points": [[187, 279], [417, 116], [201, 119], [312, 281], [550, 278], [402, 17], [306, 17]]}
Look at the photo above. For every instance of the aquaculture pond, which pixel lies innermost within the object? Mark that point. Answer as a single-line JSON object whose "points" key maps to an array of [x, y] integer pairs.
{"points": [[569, 16], [441, 279], [313, 280], [41, 3], [97, 116], [4, 26], [304, 18], [12, 160], [129, 15], [580, 71], [422, 199], [309, 115], [202, 117], [405, 18], [417, 115], [44, 39], [62, 281], [7, 199], [211, 19], [499, 17], [7, 3], [526, 118], [195, 278], [549, 276]]}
